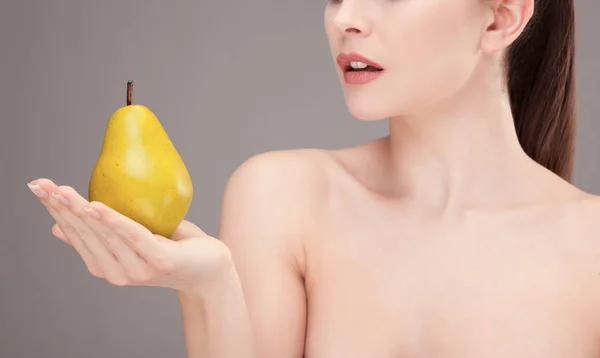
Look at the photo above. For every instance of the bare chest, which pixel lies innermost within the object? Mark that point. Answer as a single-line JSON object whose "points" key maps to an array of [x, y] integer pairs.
{"points": [[400, 289]]}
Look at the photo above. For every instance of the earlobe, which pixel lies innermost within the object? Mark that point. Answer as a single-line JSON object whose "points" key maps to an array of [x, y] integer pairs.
{"points": [[509, 19]]}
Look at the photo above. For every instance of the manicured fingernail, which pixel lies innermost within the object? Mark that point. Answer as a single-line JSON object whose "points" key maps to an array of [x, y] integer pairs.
{"points": [[61, 198], [39, 192], [92, 212]]}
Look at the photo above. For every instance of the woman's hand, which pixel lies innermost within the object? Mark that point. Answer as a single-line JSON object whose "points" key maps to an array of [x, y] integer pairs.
{"points": [[124, 252]]}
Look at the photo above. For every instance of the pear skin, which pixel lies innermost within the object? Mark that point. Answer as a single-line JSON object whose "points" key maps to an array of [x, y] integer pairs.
{"points": [[139, 172]]}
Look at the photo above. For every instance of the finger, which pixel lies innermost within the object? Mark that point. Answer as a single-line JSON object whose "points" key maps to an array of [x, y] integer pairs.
{"points": [[41, 188], [73, 236], [75, 241], [56, 231], [133, 264], [152, 248], [66, 206]]}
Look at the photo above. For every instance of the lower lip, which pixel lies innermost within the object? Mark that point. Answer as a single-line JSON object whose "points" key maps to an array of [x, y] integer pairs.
{"points": [[361, 77]]}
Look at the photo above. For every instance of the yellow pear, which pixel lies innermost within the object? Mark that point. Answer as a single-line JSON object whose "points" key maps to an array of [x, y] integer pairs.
{"points": [[139, 173]]}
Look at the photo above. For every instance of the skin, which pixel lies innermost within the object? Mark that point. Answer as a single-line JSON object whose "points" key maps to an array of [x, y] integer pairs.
{"points": [[442, 239]]}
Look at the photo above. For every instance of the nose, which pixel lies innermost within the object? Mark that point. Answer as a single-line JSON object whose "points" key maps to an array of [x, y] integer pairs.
{"points": [[351, 18]]}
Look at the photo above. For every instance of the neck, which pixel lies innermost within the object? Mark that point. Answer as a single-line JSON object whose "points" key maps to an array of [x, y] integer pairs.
{"points": [[462, 154]]}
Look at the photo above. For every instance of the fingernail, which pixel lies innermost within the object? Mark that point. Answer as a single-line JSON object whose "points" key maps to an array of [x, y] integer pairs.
{"points": [[92, 212], [61, 198], [39, 192]]}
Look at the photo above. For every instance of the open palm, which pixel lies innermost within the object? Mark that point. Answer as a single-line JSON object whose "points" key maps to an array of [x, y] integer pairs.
{"points": [[124, 252]]}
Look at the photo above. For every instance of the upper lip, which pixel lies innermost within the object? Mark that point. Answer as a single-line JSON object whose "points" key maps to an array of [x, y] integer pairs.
{"points": [[344, 59]]}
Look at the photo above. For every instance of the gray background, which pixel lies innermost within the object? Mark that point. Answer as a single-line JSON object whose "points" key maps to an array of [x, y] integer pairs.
{"points": [[227, 80]]}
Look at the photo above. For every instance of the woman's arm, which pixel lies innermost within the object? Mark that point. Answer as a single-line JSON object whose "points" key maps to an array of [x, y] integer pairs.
{"points": [[216, 322], [259, 311]]}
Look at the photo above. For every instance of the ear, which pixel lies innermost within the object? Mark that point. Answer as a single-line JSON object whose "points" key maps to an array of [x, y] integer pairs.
{"points": [[506, 21]]}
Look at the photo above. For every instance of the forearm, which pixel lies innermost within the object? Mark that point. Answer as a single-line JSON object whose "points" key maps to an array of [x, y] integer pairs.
{"points": [[216, 322]]}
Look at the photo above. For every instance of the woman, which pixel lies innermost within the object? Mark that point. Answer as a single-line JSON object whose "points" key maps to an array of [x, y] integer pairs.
{"points": [[458, 235]]}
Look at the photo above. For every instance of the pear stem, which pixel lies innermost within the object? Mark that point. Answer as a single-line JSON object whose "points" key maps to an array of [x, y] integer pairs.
{"points": [[129, 90]]}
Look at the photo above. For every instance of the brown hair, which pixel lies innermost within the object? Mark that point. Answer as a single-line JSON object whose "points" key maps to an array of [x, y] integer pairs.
{"points": [[541, 85]]}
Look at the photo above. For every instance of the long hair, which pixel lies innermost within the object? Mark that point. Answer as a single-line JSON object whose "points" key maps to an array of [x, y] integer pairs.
{"points": [[541, 85]]}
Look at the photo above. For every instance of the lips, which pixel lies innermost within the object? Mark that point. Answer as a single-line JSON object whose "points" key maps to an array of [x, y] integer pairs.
{"points": [[344, 60], [359, 76]]}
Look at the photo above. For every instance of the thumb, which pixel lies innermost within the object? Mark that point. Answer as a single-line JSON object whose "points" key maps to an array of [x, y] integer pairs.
{"points": [[186, 230]]}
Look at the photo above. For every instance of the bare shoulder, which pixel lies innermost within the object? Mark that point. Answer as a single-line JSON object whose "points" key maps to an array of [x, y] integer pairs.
{"points": [[277, 197], [588, 211], [583, 218], [285, 190], [300, 175], [298, 165], [286, 179]]}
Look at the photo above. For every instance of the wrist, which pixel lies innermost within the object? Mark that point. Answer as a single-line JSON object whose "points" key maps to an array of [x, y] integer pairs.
{"points": [[224, 284]]}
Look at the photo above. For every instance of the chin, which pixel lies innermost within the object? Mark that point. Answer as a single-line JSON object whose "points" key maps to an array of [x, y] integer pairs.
{"points": [[366, 109], [366, 115]]}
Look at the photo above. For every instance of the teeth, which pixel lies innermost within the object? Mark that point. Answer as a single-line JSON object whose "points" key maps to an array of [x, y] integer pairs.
{"points": [[358, 65]]}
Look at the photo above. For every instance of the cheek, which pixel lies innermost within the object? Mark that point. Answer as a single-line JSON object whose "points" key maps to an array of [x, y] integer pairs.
{"points": [[435, 52], [331, 32]]}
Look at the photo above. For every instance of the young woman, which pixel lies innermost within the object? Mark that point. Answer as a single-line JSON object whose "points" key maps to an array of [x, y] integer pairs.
{"points": [[457, 235]]}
